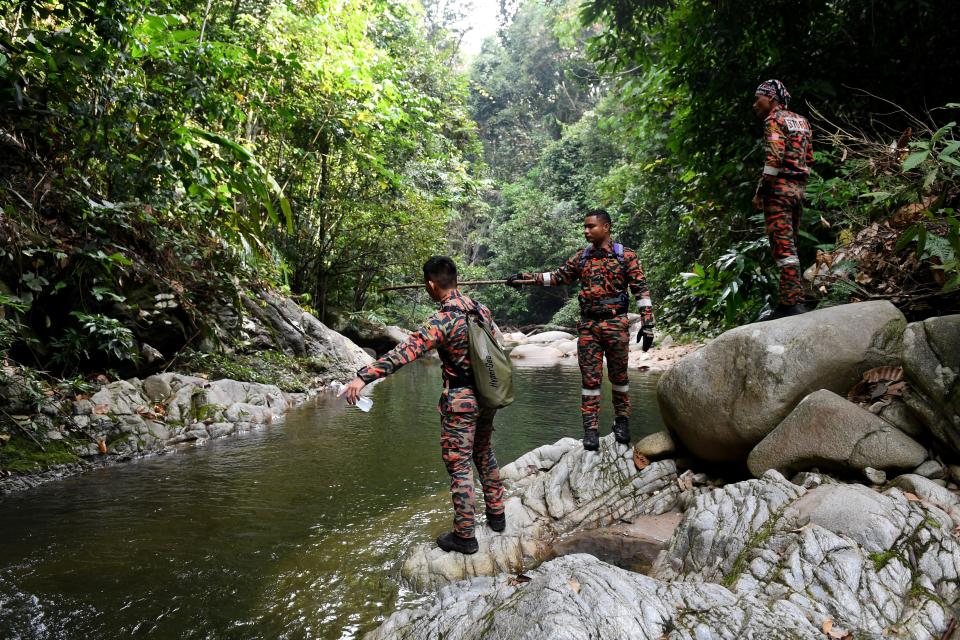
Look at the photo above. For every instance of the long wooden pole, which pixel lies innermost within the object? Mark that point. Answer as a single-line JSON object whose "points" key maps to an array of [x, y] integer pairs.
{"points": [[466, 283]]}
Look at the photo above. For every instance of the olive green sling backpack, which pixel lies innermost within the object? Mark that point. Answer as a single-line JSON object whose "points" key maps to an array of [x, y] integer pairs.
{"points": [[492, 371]]}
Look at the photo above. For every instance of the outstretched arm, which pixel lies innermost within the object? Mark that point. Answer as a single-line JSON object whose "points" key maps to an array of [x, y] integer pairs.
{"points": [[568, 272], [416, 345]]}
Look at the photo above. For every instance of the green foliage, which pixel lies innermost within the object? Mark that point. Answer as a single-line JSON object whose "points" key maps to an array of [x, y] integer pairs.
{"points": [[290, 373], [96, 334]]}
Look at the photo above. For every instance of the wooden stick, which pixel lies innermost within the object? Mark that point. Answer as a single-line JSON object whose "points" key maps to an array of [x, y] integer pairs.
{"points": [[459, 284]]}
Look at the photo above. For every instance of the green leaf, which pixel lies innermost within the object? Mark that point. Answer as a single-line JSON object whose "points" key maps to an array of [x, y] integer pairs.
{"points": [[907, 236], [941, 131], [915, 159]]}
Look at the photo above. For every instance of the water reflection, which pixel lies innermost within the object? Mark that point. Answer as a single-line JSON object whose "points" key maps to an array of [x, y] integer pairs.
{"points": [[293, 532]]}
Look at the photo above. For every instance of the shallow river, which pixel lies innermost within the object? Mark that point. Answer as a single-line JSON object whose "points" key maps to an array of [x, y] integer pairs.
{"points": [[290, 532]]}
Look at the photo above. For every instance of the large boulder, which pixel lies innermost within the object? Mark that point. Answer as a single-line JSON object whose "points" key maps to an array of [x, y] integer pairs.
{"points": [[548, 337], [931, 362], [724, 398], [537, 353], [275, 322], [830, 432], [553, 490]]}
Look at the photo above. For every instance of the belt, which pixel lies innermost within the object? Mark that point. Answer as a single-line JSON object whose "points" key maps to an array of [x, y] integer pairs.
{"points": [[601, 315]]}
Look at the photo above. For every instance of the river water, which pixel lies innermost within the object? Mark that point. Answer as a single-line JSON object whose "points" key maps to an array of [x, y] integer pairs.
{"points": [[290, 532]]}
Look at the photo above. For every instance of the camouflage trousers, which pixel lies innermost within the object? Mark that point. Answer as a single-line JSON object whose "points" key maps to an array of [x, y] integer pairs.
{"points": [[596, 339], [782, 210], [465, 441]]}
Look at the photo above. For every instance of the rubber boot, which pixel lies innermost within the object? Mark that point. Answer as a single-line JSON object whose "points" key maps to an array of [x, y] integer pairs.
{"points": [[450, 541], [591, 439], [787, 310], [497, 522], [621, 429]]}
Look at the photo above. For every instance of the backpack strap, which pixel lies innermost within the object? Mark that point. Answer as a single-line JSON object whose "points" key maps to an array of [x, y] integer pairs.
{"points": [[617, 251]]}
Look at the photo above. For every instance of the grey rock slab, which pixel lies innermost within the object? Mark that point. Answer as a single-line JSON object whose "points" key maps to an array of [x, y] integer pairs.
{"points": [[548, 337], [724, 398], [656, 445], [552, 491], [827, 431], [578, 596]]}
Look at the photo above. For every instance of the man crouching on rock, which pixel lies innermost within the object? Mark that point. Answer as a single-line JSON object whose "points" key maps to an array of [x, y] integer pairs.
{"points": [[465, 427], [608, 272]]}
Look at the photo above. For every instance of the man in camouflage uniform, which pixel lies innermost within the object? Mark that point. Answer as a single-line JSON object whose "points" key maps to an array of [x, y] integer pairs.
{"points": [[465, 428], [789, 152], [606, 271]]}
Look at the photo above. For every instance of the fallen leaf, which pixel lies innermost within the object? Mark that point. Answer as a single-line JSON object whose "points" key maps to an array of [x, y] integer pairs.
{"points": [[640, 461], [893, 374], [101, 446], [101, 408], [912, 497], [4, 438], [519, 579], [574, 585]]}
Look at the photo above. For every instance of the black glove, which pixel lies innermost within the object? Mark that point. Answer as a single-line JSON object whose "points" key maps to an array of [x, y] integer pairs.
{"points": [[512, 280], [645, 336]]}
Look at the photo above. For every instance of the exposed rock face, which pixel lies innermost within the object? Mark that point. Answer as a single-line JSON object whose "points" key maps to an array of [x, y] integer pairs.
{"points": [[276, 322], [830, 432], [634, 546], [726, 397], [931, 362], [757, 559], [553, 490]]}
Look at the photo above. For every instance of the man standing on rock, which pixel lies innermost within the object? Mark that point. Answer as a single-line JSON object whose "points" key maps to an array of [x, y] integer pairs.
{"points": [[465, 427], [607, 272], [789, 151]]}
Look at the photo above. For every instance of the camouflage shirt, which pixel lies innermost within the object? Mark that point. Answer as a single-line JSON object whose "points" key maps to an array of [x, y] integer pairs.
{"points": [[604, 281], [445, 331], [788, 144]]}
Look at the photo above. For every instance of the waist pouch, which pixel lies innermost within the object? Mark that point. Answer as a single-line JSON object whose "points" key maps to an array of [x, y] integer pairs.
{"points": [[605, 309]]}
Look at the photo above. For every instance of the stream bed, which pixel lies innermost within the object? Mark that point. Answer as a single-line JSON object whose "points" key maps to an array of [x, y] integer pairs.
{"points": [[293, 531]]}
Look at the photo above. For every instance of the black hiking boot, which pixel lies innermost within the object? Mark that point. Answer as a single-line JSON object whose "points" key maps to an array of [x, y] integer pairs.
{"points": [[452, 542], [621, 429], [787, 310], [591, 439], [497, 522]]}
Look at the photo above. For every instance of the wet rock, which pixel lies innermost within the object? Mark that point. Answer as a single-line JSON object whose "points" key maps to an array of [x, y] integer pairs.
{"points": [[721, 400], [875, 476], [830, 432], [220, 429], [634, 546], [656, 445], [553, 490], [536, 353], [82, 408], [566, 347], [932, 469]]}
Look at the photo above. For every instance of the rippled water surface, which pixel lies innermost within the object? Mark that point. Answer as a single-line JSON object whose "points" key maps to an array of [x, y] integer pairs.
{"points": [[289, 532]]}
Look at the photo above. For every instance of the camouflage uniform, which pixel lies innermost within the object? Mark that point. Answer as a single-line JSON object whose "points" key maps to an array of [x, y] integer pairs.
{"points": [[789, 151], [465, 428], [604, 329]]}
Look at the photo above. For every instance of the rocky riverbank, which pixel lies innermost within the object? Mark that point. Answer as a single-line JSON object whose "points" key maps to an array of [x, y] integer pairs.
{"points": [[56, 433], [835, 551]]}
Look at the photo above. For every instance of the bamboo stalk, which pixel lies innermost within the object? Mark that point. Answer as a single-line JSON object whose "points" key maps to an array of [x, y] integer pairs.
{"points": [[466, 283]]}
